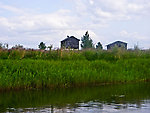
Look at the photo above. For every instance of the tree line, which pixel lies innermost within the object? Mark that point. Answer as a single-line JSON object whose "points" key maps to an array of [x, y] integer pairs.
{"points": [[86, 43]]}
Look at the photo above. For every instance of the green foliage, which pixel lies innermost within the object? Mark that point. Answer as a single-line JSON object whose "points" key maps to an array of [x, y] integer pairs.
{"points": [[72, 55], [42, 46], [17, 46], [50, 47], [89, 54], [21, 68], [3, 46], [43, 73], [16, 54], [87, 42], [99, 46], [4, 54], [51, 55]]}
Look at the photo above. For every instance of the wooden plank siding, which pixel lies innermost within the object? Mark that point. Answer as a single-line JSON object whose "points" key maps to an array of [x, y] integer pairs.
{"points": [[118, 44], [70, 43]]}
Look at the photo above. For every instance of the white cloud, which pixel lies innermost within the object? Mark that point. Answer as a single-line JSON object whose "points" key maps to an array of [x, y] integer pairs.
{"points": [[25, 28], [135, 7], [91, 15], [57, 20], [99, 12], [134, 38], [122, 9], [11, 9], [124, 33], [91, 2], [134, 35]]}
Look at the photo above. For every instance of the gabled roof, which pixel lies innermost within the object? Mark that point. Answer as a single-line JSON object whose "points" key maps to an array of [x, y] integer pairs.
{"points": [[116, 42], [69, 38]]}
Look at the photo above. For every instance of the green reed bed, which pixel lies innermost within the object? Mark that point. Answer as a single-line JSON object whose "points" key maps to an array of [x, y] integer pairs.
{"points": [[90, 55], [30, 73]]}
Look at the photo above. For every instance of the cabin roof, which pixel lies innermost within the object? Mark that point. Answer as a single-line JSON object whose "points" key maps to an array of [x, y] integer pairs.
{"points": [[116, 42], [69, 38]]}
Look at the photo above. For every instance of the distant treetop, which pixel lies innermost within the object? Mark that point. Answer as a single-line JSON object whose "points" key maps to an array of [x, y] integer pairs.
{"points": [[42, 46], [87, 42]]}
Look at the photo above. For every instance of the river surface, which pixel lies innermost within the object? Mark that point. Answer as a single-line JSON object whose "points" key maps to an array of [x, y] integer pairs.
{"points": [[123, 98]]}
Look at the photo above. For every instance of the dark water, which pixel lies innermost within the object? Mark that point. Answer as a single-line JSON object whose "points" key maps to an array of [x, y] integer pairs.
{"points": [[124, 98]]}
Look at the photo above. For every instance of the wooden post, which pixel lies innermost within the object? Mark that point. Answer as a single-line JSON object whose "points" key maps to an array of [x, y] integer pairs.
{"points": [[61, 53]]}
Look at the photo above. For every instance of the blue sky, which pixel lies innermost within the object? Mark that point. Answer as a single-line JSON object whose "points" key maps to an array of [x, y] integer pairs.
{"points": [[28, 22]]}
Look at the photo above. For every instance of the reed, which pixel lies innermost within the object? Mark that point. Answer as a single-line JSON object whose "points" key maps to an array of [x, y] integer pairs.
{"points": [[37, 73], [90, 55]]}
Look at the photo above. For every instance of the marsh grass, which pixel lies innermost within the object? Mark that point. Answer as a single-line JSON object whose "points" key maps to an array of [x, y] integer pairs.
{"points": [[28, 73], [90, 55], [20, 68]]}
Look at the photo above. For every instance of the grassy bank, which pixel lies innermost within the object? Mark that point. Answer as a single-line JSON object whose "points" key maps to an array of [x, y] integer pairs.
{"points": [[29, 73], [90, 55]]}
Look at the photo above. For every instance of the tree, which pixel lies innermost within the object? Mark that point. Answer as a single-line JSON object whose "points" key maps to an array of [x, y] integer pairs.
{"points": [[3, 46], [50, 47], [87, 42], [6, 45], [136, 47], [42, 46], [17, 46], [99, 46]]}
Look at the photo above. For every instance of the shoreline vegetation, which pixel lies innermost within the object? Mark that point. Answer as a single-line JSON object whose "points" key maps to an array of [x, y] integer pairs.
{"points": [[29, 69]]}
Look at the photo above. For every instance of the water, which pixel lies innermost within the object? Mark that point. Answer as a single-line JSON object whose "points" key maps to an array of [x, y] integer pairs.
{"points": [[124, 98]]}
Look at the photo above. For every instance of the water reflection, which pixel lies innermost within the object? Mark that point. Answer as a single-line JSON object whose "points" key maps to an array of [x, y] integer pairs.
{"points": [[104, 99]]}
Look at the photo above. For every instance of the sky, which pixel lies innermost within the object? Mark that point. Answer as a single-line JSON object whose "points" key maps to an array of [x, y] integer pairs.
{"points": [[29, 22]]}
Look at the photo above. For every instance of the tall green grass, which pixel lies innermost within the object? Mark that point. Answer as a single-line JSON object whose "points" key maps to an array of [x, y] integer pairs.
{"points": [[20, 68], [30, 73], [90, 55]]}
